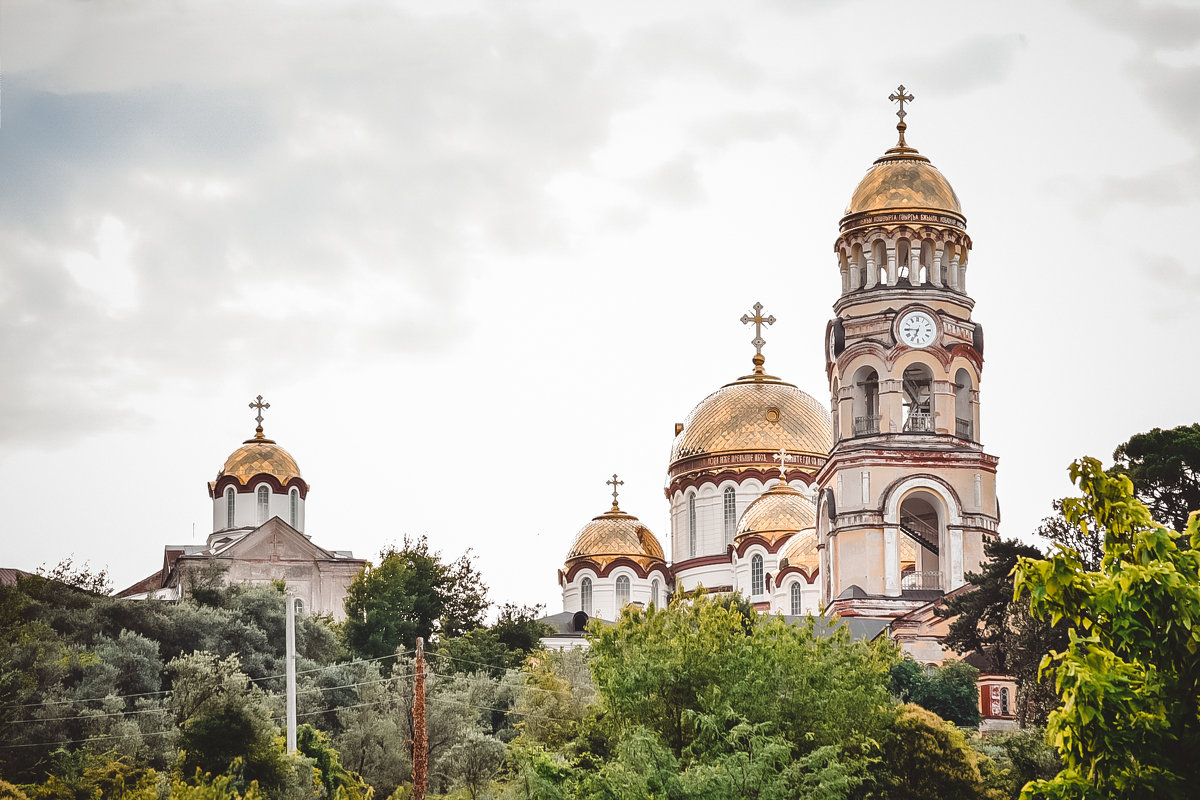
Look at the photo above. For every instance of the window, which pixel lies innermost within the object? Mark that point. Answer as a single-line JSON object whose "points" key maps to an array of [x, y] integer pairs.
{"points": [[730, 513], [757, 585], [866, 402], [918, 399], [691, 524], [797, 605], [622, 591], [264, 503], [585, 596], [229, 496], [1004, 701], [294, 498], [654, 592]]}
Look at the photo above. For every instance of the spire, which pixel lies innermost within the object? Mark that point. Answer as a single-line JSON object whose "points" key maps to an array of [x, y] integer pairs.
{"points": [[615, 483], [759, 320]]}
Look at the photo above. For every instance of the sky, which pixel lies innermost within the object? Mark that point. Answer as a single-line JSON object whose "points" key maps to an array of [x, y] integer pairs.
{"points": [[481, 256]]}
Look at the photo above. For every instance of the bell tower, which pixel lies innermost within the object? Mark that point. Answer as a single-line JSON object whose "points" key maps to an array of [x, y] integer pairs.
{"points": [[907, 496]]}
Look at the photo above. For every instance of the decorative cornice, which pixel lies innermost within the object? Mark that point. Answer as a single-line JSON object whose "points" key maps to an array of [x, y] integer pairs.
{"points": [[739, 476], [606, 570], [217, 487]]}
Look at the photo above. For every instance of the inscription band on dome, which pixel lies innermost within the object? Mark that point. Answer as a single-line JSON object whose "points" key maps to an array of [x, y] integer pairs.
{"points": [[903, 218]]}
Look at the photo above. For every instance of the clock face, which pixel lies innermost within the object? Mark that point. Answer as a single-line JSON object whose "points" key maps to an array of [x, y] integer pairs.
{"points": [[917, 329]]}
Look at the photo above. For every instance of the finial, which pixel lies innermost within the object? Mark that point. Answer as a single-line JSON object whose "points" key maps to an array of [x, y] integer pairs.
{"points": [[615, 483], [901, 95], [759, 320], [260, 405], [783, 465]]}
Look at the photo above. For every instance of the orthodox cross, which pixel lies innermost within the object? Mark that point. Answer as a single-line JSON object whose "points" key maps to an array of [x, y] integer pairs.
{"points": [[615, 483], [759, 320], [783, 465], [903, 97], [260, 405]]}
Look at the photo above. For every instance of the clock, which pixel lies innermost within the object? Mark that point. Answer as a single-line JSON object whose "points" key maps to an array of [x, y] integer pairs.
{"points": [[917, 329]]}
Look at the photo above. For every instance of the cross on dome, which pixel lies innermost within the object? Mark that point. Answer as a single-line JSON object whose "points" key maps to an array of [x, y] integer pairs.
{"points": [[783, 464], [903, 97], [615, 483], [261, 406], [758, 341]]}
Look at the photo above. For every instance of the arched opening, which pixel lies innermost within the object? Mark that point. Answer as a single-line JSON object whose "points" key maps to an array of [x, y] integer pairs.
{"points": [[579, 621], [757, 582], [230, 495], [263, 494], [585, 596], [918, 399], [964, 422], [879, 251], [691, 507], [622, 591], [797, 601], [903, 259], [1004, 712], [729, 507], [294, 507], [922, 522], [654, 599], [866, 401]]}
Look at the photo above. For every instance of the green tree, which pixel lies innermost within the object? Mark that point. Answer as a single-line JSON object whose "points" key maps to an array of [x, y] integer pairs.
{"points": [[1129, 677], [1164, 466], [987, 620], [411, 594], [949, 690], [926, 758], [337, 781], [498, 647]]}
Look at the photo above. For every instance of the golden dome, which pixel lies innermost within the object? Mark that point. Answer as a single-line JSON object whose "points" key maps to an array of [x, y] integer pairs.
{"points": [[903, 180], [801, 551], [778, 513], [260, 456], [614, 535], [755, 413]]}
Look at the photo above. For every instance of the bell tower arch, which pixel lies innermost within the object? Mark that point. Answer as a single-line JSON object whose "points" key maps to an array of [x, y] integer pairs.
{"points": [[908, 493]]}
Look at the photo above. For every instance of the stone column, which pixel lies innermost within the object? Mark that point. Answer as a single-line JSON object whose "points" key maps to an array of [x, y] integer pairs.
{"points": [[935, 273], [872, 271], [956, 559], [891, 561]]}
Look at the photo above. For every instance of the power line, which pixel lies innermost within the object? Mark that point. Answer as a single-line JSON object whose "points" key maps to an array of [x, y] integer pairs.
{"points": [[91, 739]]}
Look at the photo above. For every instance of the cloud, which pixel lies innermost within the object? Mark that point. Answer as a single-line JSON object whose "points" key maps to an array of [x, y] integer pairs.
{"points": [[676, 181], [971, 64], [313, 182]]}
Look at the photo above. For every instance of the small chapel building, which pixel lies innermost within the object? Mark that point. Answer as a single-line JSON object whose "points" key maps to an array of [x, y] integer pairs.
{"points": [[258, 536]]}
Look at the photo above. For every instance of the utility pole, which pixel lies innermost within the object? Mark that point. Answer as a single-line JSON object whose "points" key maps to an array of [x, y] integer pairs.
{"points": [[290, 638], [420, 742]]}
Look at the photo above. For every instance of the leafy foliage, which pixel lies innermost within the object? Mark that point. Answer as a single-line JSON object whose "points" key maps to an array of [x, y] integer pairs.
{"points": [[950, 691], [1164, 466], [412, 594], [1129, 678]]}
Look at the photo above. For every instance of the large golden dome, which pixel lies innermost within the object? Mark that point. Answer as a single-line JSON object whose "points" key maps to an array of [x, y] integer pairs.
{"points": [[614, 535], [778, 513], [755, 414], [903, 180], [260, 456]]}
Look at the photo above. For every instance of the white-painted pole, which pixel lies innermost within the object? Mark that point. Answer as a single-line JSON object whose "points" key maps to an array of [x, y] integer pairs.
{"points": [[290, 636]]}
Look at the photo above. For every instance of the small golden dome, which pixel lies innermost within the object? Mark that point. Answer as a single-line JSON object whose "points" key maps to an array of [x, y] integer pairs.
{"points": [[902, 180], [801, 551], [778, 513], [614, 535], [260, 456], [755, 414]]}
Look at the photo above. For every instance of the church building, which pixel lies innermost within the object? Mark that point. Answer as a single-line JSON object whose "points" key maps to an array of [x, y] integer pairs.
{"points": [[258, 535], [870, 509]]}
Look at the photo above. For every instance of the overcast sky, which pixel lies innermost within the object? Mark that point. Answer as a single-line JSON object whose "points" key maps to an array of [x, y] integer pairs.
{"points": [[478, 257]]}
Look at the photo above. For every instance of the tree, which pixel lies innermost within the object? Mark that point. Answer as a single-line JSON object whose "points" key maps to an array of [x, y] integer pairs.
{"points": [[927, 758], [475, 760], [501, 646], [1129, 677], [986, 620], [950, 690], [1089, 545], [411, 594], [1164, 467]]}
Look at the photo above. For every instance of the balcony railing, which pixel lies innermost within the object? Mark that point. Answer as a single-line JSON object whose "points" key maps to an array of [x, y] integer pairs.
{"points": [[964, 429], [866, 426], [919, 422], [925, 579]]}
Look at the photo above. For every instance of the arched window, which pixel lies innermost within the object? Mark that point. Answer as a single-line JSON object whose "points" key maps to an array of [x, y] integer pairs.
{"points": [[964, 422], [264, 503], [229, 498], [294, 504], [1004, 701], [730, 499], [918, 399], [757, 584], [585, 596], [622, 591], [797, 605], [654, 592], [691, 525], [866, 402]]}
